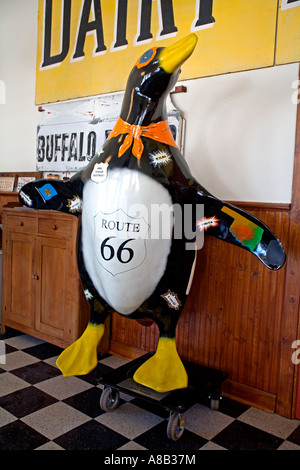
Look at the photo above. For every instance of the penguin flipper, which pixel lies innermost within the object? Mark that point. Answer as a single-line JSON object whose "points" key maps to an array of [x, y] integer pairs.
{"points": [[80, 358], [238, 227], [164, 371], [51, 194]]}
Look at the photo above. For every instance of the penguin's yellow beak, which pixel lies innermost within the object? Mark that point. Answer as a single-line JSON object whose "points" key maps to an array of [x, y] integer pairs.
{"points": [[172, 57]]}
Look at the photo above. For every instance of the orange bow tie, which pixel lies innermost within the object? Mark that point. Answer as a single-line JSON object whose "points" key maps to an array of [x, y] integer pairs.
{"points": [[159, 131]]}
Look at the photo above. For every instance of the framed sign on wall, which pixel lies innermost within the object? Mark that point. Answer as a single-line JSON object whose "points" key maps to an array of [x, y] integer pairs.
{"points": [[71, 133]]}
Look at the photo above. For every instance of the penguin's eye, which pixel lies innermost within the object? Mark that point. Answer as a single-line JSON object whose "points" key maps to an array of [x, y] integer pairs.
{"points": [[146, 58]]}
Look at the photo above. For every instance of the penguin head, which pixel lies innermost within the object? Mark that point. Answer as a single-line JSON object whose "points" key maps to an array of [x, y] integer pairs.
{"points": [[156, 71]]}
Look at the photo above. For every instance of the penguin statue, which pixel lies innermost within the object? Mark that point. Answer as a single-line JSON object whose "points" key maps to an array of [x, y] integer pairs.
{"points": [[126, 263]]}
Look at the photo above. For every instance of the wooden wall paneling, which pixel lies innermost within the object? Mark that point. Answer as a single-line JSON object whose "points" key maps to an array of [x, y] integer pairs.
{"points": [[263, 314], [276, 296], [262, 325], [236, 335]]}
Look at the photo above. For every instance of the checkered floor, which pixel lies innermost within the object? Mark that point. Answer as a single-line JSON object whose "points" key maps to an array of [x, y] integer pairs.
{"points": [[40, 409]]}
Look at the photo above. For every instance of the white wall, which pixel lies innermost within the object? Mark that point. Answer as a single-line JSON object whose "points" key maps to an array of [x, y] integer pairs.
{"points": [[18, 115], [240, 128], [240, 133]]}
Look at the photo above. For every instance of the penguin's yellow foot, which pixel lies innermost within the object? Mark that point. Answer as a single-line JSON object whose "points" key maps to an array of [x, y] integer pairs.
{"points": [[81, 357], [164, 371]]}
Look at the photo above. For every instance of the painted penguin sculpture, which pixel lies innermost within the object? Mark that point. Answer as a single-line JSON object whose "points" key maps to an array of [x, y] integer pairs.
{"points": [[126, 263]]}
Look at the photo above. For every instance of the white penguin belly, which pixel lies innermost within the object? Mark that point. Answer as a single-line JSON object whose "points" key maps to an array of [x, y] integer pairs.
{"points": [[125, 249]]}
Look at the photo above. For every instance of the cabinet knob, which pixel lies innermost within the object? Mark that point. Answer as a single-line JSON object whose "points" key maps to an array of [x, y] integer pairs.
{"points": [[35, 277], [21, 223], [54, 227]]}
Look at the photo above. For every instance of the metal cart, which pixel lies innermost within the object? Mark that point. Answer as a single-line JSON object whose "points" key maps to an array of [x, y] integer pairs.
{"points": [[204, 387]]}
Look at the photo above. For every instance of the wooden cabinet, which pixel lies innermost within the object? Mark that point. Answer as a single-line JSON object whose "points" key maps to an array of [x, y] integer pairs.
{"points": [[5, 197], [19, 261], [12, 197], [41, 289]]}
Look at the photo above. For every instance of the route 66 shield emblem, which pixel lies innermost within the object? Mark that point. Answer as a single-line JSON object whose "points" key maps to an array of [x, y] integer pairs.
{"points": [[120, 241]]}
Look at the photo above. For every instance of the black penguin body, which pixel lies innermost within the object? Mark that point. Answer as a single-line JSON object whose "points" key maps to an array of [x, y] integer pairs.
{"points": [[123, 267], [158, 164]]}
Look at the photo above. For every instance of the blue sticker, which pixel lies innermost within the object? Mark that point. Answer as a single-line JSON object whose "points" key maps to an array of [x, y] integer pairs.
{"points": [[47, 191]]}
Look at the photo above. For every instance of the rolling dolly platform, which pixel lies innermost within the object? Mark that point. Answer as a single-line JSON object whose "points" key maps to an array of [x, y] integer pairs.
{"points": [[204, 387]]}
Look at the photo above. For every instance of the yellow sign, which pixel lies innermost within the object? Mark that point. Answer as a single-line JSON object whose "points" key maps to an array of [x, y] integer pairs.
{"points": [[88, 47], [288, 34]]}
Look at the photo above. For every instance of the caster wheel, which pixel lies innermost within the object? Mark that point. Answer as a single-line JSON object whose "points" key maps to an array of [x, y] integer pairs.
{"points": [[215, 398], [175, 426], [214, 404], [109, 399]]}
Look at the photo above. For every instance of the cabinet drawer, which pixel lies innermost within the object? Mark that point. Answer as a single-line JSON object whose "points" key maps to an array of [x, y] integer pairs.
{"points": [[18, 223], [56, 227]]}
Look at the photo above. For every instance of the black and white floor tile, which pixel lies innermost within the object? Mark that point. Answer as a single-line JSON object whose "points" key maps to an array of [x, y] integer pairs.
{"points": [[42, 410]]}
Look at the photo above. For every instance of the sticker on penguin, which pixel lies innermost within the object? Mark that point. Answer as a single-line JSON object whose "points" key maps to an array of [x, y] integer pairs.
{"points": [[140, 275], [120, 241]]}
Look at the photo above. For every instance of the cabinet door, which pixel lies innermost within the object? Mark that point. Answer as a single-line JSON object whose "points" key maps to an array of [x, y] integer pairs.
{"points": [[54, 297], [19, 282]]}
